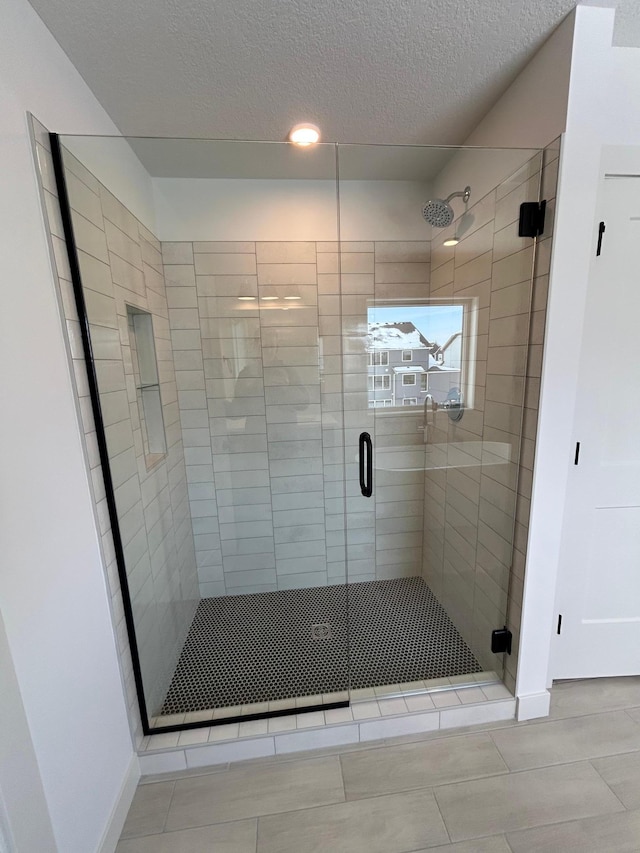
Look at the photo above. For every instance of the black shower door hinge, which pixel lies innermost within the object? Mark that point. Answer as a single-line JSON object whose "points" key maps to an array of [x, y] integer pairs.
{"points": [[601, 230], [531, 222], [501, 640]]}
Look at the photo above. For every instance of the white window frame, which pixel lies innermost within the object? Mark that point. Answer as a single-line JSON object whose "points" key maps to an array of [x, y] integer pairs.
{"points": [[379, 359], [385, 385], [405, 353], [411, 376], [467, 369], [410, 401]]}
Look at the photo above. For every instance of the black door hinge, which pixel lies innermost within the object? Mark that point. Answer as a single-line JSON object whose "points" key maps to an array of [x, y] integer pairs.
{"points": [[601, 230], [531, 222], [576, 458], [501, 640], [559, 623]]}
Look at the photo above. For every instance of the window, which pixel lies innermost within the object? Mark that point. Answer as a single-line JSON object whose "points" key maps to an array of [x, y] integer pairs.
{"points": [[410, 401], [380, 383], [433, 339], [145, 368], [377, 404]]}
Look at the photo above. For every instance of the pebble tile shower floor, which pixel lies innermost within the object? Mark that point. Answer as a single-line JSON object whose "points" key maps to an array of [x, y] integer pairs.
{"points": [[252, 648]]}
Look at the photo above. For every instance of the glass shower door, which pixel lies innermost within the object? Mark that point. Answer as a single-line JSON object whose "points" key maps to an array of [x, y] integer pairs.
{"points": [[240, 345], [436, 331], [213, 342]]}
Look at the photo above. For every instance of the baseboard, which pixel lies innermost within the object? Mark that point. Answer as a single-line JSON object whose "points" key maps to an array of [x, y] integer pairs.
{"points": [[533, 705], [121, 808]]}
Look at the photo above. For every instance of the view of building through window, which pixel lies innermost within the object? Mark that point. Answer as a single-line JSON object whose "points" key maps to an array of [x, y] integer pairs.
{"points": [[415, 350]]}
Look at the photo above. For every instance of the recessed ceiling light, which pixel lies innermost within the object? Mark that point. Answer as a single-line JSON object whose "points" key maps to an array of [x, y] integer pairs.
{"points": [[304, 134], [452, 241], [246, 298], [266, 298], [293, 297]]}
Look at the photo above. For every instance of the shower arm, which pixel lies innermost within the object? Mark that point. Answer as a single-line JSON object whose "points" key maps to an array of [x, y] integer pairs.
{"points": [[464, 195]]}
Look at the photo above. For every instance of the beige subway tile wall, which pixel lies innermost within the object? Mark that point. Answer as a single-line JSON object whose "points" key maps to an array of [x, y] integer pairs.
{"points": [[263, 411], [150, 482], [475, 517], [121, 265], [109, 346]]}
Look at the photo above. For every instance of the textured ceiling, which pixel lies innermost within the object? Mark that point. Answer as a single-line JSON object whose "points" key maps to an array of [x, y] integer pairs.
{"points": [[392, 71]]}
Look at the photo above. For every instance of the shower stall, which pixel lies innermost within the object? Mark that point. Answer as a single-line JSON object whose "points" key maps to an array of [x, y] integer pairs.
{"points": [[308, 375]]}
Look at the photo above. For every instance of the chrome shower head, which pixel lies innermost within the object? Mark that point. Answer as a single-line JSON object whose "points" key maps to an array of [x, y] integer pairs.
{"points": [[439, 213]]}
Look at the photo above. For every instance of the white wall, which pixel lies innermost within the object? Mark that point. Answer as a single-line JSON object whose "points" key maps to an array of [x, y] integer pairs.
{"points": [[530, 114], [114, 164], [280, 210], [383, 210], [533, 110], [22, 802], [53, 595], [604, 109]]}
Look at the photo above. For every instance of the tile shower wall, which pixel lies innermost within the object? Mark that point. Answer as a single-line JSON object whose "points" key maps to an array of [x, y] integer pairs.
{"points": [[469, 540], [261, 405], [64, 289], [384, 534], [71, 326], [121, 265]]}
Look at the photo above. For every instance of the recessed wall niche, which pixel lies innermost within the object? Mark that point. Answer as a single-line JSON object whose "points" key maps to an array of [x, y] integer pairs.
{"points": [[145, 370]]}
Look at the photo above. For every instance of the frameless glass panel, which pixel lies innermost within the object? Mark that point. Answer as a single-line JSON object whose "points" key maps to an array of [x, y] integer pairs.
{"points": [[210, 278], [436, 293]]}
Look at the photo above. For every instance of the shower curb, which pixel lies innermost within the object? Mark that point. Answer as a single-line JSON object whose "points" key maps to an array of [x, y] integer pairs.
{"points": [[156, 759]]}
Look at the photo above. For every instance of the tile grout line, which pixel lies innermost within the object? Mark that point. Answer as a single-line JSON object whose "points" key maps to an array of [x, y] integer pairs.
{"points": [[442, 818], [506, 841], [166, 817], [497, 748], [591, 760]]}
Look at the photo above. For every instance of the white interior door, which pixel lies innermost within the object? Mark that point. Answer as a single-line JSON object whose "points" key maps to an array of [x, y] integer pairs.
{"points": [[599, 582]]}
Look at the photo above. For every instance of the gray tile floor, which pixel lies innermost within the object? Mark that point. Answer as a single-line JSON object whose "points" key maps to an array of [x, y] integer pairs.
{"points": [[570, 782]]}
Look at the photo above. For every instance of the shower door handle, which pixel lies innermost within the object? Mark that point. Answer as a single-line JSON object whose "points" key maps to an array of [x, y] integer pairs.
{"points": [[366, 468]]}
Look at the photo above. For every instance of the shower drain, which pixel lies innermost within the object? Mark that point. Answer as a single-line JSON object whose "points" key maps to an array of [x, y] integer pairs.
{"points": [[321, 631]]}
